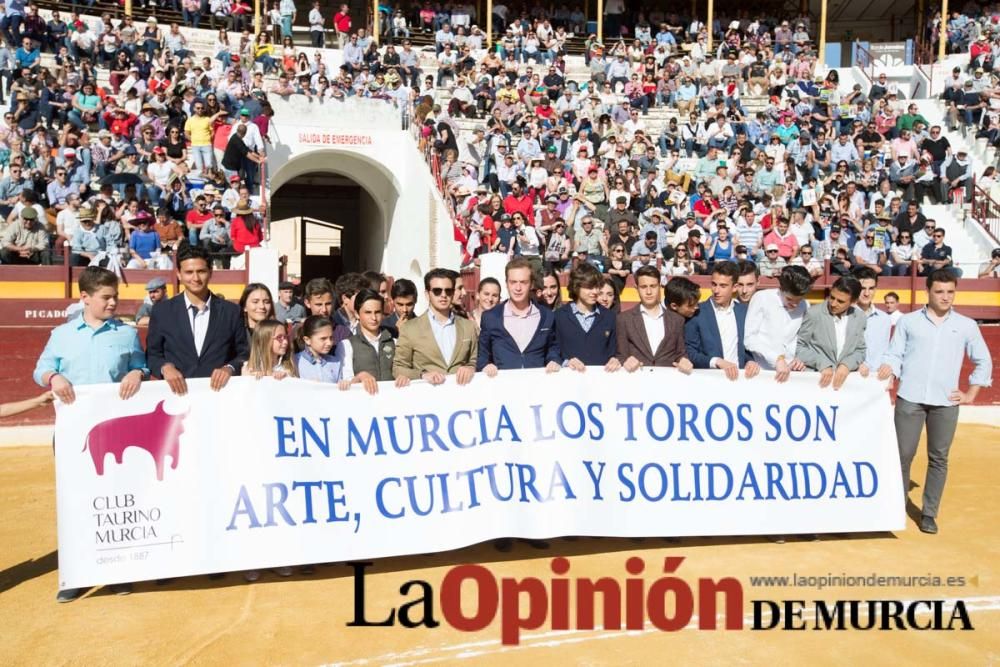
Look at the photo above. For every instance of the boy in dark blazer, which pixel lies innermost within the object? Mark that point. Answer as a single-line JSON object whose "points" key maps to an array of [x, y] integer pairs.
{"points": [[584, 330], [651, 334], [517, 333], [195, 334], [714, 336]]}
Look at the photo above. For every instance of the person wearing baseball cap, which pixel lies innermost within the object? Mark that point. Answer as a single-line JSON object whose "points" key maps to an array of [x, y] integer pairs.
{"points": [[772, 263]]}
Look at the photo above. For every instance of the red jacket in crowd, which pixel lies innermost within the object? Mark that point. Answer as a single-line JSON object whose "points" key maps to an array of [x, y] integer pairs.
{"points": [[242, 237]]}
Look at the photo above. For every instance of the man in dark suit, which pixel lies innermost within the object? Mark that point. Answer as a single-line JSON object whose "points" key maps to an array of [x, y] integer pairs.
{"points": [[518, 333], [195, 334], [651, 334], [714, 336]]}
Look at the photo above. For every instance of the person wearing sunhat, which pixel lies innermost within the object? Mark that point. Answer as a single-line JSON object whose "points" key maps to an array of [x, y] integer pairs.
{"points": [[85, 242], [144, 244], [156, 291], [148, 118], [245, 229]]}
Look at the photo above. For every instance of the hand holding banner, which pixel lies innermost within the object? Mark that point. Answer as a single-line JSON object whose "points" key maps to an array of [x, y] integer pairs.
{"points": [[269, 473]]}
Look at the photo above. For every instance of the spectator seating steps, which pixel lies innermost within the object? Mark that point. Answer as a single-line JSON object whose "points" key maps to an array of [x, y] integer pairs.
{"points": [[971, 249], [934, 111]]}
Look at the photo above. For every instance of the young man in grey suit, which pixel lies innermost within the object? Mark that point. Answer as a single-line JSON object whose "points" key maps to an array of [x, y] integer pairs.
{"points": [[831, 339]]}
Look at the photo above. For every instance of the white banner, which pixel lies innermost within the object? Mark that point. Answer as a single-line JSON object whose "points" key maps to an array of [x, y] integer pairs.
{"points": [[268, 473]]}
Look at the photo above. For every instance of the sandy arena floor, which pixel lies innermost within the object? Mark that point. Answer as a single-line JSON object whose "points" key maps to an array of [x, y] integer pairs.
{"points": [[302, 620]]}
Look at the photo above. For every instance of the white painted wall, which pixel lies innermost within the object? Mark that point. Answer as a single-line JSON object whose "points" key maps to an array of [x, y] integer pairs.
{"points": [[362, 139]]}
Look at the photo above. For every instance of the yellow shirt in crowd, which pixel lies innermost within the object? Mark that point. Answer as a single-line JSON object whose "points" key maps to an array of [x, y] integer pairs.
{"points": [[200, 129]]}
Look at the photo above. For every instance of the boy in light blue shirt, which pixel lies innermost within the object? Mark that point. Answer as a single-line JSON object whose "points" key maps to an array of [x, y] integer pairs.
{"points": [[93, 349]]}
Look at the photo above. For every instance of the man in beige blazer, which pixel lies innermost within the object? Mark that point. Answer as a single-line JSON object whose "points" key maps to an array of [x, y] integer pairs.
{"points": [[438, 343], [831, 338]]}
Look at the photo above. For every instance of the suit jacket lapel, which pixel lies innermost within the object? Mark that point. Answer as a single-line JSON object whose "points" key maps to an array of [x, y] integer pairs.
{"points": [[460, 335], [437, 357], [184, 321], [741, 319], [543, 320], [214, 323], [716, 332], [638, 326]]}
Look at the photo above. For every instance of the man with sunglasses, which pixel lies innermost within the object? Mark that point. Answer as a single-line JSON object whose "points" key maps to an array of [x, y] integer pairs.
{"points": [[936, 255], [438, 343], [11, 187], [866, 253], [198, 131]]}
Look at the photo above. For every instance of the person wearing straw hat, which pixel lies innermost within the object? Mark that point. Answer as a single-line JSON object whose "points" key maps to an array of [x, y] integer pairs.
{"points": [[245, 229], [86, 243]]}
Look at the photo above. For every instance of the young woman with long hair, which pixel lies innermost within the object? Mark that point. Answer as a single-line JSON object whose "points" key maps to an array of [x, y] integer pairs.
{"points": [[270, 352], [257, 306]]}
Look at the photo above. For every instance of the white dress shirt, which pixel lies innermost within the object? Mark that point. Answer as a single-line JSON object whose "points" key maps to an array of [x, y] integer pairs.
{"points": [[654, 327], [729, 333], [771, 328], [444, 334], [198, 319], [840, 331], [345, 351]]}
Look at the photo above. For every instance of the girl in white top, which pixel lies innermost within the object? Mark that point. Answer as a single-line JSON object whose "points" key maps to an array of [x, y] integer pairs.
{"points": [[901, 253]]}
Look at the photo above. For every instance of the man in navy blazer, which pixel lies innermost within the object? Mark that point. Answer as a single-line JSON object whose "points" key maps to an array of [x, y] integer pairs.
{"points": [[530, 340], [714, 336], [195, 334]]}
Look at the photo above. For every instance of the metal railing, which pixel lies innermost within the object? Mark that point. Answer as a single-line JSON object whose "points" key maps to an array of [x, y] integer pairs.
{"points": [[865, 62], [923, 60], [265, 215], [986, 211]]}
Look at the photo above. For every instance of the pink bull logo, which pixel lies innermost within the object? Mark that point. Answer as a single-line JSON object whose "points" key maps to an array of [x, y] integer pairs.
{"points": [[157, 432]]}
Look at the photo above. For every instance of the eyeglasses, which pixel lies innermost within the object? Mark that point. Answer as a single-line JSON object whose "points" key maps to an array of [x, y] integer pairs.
{"points": [[438, 291], [869, 238], [770, 251], [939, 236], [806, 252]]}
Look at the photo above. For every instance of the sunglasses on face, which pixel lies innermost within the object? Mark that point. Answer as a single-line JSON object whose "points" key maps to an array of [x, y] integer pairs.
{"points": [[438, 291]]}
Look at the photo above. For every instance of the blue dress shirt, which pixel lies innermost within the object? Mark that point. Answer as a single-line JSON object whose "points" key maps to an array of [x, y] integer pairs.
{"points": [[85, 355], [878, 331], [319, 369], [444, 335], [927, 357]]}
